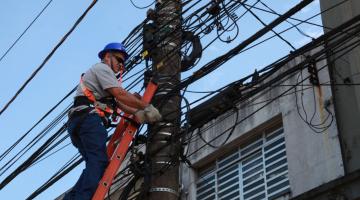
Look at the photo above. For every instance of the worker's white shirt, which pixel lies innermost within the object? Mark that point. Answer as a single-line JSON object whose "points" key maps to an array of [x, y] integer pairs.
{"points": [[98, 78]]}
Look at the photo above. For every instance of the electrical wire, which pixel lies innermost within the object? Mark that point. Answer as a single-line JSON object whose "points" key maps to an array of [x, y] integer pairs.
{"points": [[142, 7], [32, 158], [340, 28], [269, 102], [272, 30], [296, 27], [26, 29], [48, 56], [32, 143], [7, 151], [212, 65]]}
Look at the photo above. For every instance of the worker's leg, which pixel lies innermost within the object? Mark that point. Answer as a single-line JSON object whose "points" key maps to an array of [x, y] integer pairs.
{"points": [[93, 137], [73, 128]]}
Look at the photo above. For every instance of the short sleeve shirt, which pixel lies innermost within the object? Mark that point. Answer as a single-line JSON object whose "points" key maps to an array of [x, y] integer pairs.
{"points": [[98, 78]]}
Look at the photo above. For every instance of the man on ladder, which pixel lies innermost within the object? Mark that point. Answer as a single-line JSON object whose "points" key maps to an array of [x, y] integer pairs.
{"points": [[98, 96]]}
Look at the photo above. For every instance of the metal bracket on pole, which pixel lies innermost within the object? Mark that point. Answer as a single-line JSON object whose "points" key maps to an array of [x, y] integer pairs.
{"points": [[164, 189]]}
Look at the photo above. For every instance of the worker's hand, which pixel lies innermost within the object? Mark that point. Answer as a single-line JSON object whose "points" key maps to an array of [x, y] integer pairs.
{"points": [[152, 114]]}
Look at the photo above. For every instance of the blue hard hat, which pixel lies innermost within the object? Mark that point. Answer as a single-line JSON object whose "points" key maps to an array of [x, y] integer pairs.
{"points": [[119, 47]]}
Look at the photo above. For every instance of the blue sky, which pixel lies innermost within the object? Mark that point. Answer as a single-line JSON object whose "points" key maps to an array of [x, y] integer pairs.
{"points": [[108, 21]]}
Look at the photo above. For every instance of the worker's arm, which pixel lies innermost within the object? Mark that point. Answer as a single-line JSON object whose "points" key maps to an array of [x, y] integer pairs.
{"points": [[143, 111], [126, 109], [127, 98], [139, 114]]}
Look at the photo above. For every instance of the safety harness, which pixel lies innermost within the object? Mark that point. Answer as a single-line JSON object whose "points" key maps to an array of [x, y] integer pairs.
{"points": [[105, 107], [101, 108]]}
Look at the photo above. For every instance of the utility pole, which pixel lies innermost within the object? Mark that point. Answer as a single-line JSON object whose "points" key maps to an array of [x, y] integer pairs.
{"points": [[166, 57]]}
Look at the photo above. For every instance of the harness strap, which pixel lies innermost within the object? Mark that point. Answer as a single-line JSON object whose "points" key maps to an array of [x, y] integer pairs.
{"points": [[100, 108]]}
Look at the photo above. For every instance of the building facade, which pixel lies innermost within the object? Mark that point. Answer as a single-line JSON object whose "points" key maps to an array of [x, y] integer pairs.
{"points": [[277, 152], [303, 145]]}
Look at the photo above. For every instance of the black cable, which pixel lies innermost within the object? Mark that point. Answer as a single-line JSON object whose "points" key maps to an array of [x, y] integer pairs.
{"points": [[7, 151], [230, 17], [32, 143], [142, 7], [212, 65], [251, 104], [184, 22], [272, 30], [266, 104], [228, 136], [270, 10], [48, 56], [26, 29], [32, 158], [297, 28], [54, 179], [300, 22], [131, 184], [211, 42], [56, 151], [322, 38], [202, 15], [356, 43], [174, 51]]}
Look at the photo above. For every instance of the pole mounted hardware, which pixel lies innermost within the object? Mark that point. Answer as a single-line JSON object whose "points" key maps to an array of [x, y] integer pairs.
{"points": [[188, 61]]}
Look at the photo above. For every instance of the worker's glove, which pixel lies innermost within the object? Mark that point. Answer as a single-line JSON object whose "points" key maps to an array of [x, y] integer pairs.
{"points": [[140, 116], [152, 114]]}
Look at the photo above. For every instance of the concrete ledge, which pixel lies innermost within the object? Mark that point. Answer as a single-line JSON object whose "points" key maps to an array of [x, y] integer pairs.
{"points": [[343, 188]]}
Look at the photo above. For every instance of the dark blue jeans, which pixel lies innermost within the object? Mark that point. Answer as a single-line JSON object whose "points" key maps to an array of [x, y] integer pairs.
{"points": [[88, 135]]}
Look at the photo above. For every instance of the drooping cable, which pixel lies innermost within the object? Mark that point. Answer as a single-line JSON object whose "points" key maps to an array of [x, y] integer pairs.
{"points": [[142, 7], [357, 43]]}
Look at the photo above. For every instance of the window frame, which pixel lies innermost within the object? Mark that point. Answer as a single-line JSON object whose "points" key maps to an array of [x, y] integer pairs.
{"points": [[266, 150]]}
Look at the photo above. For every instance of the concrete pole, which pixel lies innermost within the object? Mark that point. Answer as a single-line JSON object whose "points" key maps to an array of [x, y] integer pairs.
{"points": [[164, 180]]}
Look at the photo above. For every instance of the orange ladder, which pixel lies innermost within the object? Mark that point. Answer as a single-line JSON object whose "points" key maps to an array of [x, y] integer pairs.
{"points": [[119, 145]]}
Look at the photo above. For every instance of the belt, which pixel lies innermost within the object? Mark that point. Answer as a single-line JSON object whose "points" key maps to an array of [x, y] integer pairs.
{"points": [[81, 101]]}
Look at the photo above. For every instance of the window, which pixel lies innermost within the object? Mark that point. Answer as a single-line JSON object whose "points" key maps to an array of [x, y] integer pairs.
{"points": [[256, 171]]}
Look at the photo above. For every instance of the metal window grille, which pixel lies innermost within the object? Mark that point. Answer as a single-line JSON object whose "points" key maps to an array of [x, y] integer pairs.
{"points": [[256, 171]]}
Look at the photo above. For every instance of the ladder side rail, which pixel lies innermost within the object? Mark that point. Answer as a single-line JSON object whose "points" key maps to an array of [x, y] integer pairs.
{"points": [[121, 149]]}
